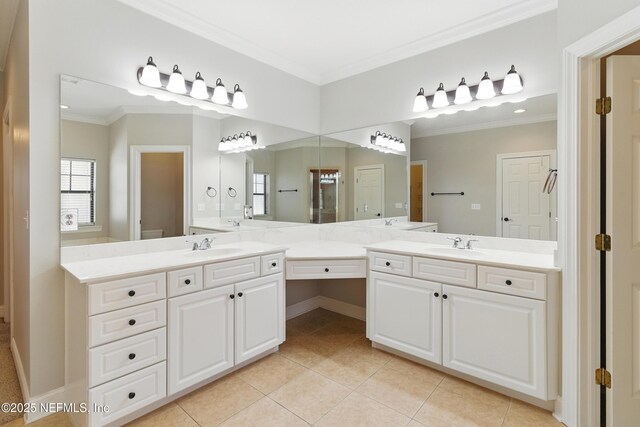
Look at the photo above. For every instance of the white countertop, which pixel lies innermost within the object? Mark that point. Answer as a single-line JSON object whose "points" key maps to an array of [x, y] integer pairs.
{"points": [[325, 249], [116, 267], [494, 257]]}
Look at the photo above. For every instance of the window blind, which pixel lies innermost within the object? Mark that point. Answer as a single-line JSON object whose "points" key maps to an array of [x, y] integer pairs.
{"points": [[78, 188]]}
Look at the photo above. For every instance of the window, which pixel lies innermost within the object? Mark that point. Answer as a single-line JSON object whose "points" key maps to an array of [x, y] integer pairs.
{"points": [[260, 194], [78, 188]]}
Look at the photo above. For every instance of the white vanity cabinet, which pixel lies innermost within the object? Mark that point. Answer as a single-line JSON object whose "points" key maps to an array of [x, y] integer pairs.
{"points": [[499, 325]]}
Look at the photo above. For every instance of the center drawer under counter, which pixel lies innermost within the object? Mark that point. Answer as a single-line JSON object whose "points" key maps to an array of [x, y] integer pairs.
{"points": [[326, 269]]}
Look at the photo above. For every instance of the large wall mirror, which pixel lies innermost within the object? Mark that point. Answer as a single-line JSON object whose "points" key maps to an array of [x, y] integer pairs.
{"points": [[489, 172], [135, 167]]}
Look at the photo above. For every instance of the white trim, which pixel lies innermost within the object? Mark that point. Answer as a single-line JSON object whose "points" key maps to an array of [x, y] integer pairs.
{"points": [[355, 187], [518, 121], [424, 188], [495, 19], [135, 185], [576, 256], [53, 397], [552, 206], [84, 229], [8, 205], [327, 303], [124, 110], [22, 378]]}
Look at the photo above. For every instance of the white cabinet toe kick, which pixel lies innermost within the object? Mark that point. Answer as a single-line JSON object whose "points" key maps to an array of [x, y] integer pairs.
{"points": [[499, 325]]}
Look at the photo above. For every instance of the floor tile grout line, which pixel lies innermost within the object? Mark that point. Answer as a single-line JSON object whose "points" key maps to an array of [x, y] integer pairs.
{"points": [[287, 409], [188, 414], [504, 419]]}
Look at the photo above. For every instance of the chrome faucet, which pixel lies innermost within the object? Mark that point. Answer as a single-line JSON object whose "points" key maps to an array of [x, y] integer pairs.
{"points": [[202, 246], [234, 222], [457, 242], [469, 241], [389, 221]]}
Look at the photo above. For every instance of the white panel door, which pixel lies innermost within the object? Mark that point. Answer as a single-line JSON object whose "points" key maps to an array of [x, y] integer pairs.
{"points": [[498, 338], [369, 193], [200, 336], [405, 314], [525, 208], [259, 316], [623, 223]]}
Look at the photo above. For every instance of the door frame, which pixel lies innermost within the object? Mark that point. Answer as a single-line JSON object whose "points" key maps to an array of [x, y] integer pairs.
{"points": [[578, 202], [7, 202], [553, 162], [135, 184], [424, 188], [355, 187]]}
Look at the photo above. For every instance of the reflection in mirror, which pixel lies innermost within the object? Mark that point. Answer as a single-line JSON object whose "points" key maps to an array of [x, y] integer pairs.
{"points": [[134, 167], [484, 172], [361, 179]]}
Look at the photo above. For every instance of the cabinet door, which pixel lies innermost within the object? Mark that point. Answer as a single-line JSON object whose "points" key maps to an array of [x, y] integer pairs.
{"points": [[498, 338], [200, 336], [259, 316], [405, 314]]}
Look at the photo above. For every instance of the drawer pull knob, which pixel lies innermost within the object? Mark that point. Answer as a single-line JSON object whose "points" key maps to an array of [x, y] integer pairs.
{"points": [[240, 294], [444, 296], [232, 296], [187, 282], [132, 395], [508, 282], [388, 264], [132, 293], [273, 264], [132, 322], [132, 356], [326, 270], [436, 295]]}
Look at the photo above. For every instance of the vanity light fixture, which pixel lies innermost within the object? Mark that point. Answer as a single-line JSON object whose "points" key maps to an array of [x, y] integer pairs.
{"points": [[239, 143], [64, 107], [150, 76], [465, 94], [387, 144]]}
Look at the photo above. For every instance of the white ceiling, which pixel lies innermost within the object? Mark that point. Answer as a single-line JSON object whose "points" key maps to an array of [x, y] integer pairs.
{"points": [[8, 9], [538, 109], [327, 40]]}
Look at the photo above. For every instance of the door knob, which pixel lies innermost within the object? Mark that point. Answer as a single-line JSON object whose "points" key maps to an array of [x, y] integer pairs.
{"points": [[506, 219]]}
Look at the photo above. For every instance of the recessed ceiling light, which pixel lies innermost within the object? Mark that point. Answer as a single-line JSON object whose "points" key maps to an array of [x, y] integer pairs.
{"points": [[64, 107], [520, 110]]}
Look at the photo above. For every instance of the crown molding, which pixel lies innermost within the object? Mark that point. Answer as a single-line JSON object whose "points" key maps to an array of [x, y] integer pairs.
{"points": [[494, 20], [122, 111], [83, 118], [488, 125]]}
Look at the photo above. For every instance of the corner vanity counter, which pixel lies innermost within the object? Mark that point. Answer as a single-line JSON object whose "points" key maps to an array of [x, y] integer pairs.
{"points": [[326, 259], [489, 314], [144, 329]]}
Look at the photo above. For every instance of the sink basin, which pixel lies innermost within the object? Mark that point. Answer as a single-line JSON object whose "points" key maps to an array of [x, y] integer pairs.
{"points": [[455, 251], [213, 252]]}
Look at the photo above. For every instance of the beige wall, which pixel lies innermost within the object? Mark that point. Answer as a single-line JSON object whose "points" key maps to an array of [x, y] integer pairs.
{"points": [[89, 141], [292, 171], [2, 214], [162, 193], [119, 180], [467, 162], [206, 165]]}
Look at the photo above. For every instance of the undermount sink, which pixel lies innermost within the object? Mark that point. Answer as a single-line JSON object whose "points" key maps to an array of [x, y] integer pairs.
{"points": [[455, 251], [206, 253]]}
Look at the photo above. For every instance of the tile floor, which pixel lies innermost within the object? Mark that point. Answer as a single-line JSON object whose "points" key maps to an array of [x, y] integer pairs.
{"points": [[327, 374]]}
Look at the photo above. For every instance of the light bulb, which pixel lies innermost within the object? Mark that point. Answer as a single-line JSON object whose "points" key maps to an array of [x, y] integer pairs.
{"points": [[199, 88], [440, 98], [220, 95], [150, 75], [176, 82], [463, 95], [249, 139], [239, 100], [378, 138], [485, 88], [222, 146], [512, 83], [420, 104], [401, 147]]}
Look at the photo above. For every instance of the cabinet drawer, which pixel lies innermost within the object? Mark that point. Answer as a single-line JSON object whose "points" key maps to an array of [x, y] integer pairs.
{"points": [[228, 272], [122, 357], [108, 327], [448, 272], [272, 264], [514, 282], [327, 269], [184, 281], [390, 263], [128, 394], [109, 296]]}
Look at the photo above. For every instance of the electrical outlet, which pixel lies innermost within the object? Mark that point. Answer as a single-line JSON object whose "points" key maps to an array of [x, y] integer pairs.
{"points": [[201, 207], [475, 206]]}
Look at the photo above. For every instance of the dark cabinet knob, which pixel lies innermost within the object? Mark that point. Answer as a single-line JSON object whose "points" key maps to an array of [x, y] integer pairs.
{"points": [[132, 395], [187, 282], [326, 270], [232, 296], [444, 296], [506, 219], [388, 264], [273, 264], [436, 295], [132, 293], [132, 356], [132, 322], [240, 294], [378, 214], [508, 282]]}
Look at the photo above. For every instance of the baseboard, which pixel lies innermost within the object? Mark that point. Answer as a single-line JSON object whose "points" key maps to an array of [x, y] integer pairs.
{"points": [[49, 402], [327, 303]]}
